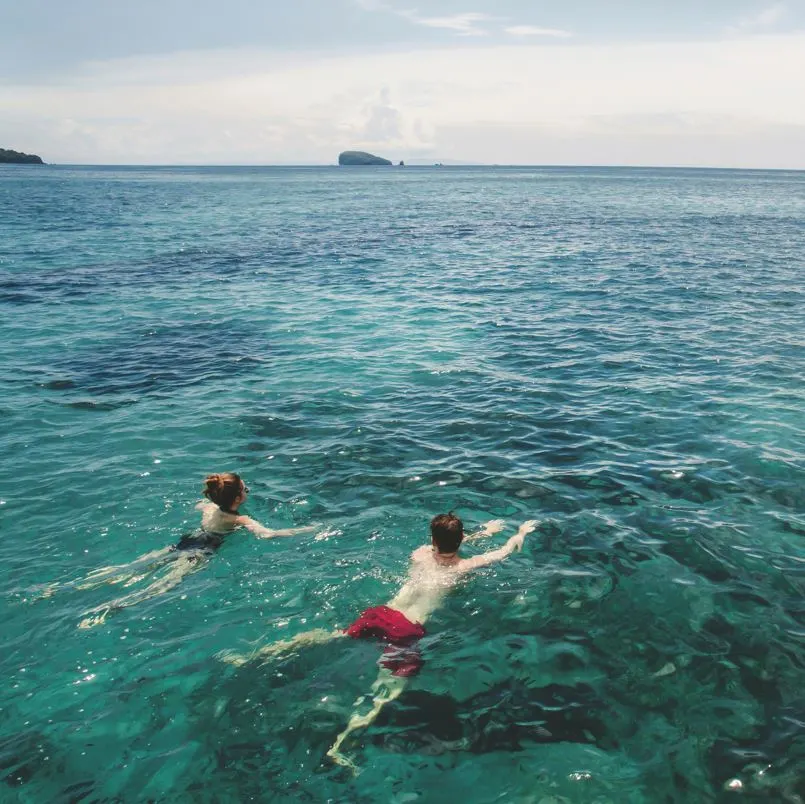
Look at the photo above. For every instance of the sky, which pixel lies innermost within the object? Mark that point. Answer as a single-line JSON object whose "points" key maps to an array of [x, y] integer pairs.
{"points": [[717, 83]]}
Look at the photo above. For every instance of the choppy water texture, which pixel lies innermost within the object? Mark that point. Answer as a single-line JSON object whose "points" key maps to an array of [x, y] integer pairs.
{"points": [[617, 353]]}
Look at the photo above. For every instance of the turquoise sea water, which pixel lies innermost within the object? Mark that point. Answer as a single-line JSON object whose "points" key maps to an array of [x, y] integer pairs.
{"points": [[617, 353]]}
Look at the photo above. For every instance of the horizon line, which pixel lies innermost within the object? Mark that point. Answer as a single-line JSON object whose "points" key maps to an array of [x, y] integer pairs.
{"points": [[453, 164]]}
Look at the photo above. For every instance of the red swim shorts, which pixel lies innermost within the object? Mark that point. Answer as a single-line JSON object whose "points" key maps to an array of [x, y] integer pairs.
{"points": [[389, 625]]}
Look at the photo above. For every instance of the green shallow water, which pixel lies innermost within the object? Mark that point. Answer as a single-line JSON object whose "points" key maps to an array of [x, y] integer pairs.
{"points": [[617, 353]]}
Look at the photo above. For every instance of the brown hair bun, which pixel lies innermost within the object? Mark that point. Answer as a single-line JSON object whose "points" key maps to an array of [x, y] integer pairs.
{"points": [[223, 489]]}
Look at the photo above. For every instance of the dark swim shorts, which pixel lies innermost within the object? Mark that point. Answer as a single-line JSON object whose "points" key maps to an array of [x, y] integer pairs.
{"points": [[203, 540]]}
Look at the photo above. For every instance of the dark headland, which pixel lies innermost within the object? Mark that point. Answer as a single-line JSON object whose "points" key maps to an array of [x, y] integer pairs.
{"points": [[16, 158], [360, 158]]}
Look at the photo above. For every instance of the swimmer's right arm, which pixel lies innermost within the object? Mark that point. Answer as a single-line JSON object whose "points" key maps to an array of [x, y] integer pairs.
{"points": [[262, 532]]}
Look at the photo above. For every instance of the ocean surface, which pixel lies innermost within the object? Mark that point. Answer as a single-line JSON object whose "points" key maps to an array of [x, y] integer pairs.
{"points": [[617, 353]]}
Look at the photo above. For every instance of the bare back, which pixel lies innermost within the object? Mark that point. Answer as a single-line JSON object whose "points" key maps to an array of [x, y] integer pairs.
{"points": [[425, 587], [430, 577], [214, 520]]}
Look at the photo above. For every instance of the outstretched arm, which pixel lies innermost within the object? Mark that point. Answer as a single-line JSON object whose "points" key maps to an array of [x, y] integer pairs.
{"points": [[513, 544], [263, 532], [489, 529]]}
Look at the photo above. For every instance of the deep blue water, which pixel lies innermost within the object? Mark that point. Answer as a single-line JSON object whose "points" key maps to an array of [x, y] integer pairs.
{"points": [[615, 352]]}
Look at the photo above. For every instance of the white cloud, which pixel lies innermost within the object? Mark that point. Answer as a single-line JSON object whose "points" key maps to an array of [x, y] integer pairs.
{"points": [[771, 15], [763, 19], [725, 102], [532, 30], [383, 121], [464, 24]]}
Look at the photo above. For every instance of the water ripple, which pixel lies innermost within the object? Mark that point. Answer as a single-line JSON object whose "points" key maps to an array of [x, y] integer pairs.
{"points": [[617, 353]]}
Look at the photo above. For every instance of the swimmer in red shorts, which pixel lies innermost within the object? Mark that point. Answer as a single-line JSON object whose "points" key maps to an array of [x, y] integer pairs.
{"points": [[434, 571]]}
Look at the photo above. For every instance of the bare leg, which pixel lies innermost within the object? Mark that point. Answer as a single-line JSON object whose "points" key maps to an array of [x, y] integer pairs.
{"points": [[386, 688], [183, 565], [119, 573], [136, 569], [318, 636]]}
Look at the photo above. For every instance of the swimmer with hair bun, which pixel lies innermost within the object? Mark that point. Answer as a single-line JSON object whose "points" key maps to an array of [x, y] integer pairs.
{"points": [[226, 493], [220, 515]]}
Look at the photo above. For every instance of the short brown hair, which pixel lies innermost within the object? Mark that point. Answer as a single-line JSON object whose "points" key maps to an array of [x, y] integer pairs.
{"points": [[223, 489], [447, 532]]}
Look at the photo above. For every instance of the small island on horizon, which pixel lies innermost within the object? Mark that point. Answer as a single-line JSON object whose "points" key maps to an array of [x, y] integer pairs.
{"points": [[361, 158], [8, 157]]}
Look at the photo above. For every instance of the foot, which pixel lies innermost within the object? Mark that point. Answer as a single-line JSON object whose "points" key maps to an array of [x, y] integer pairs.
{"points": [[91, 622], [230, 657], [344, 761], [44, 591]]}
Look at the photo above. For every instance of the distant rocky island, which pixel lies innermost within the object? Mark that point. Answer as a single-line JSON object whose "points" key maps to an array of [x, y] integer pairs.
{"points": [[16, 158], [360, 158]]}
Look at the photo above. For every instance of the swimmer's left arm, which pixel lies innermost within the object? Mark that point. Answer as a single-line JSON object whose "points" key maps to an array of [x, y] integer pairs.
{"points": [[262, 532]]}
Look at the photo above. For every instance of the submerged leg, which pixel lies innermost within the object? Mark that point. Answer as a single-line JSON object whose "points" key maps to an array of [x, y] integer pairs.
{"points": [[126, 574], [183, 565], [386, 688], [317, 636]]}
